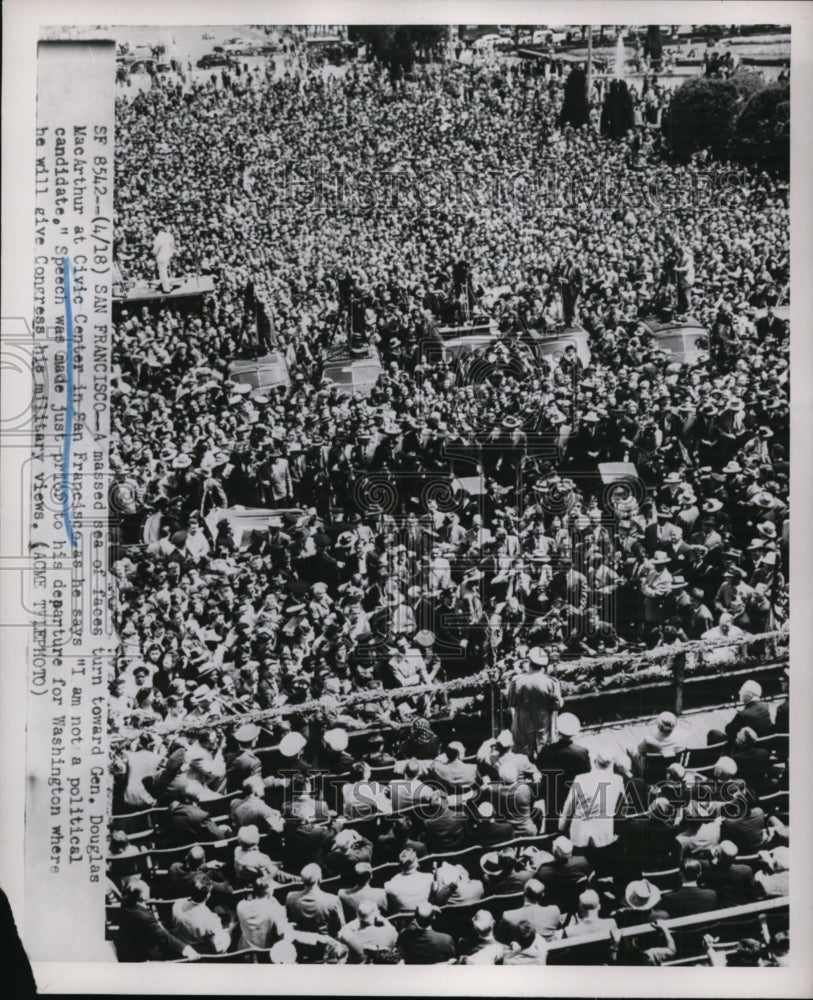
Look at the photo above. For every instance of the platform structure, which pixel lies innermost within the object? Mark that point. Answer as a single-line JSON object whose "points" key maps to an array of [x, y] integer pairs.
{"points": [[187, 290]]}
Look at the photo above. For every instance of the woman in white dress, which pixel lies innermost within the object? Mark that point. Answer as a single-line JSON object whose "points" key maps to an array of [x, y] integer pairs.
{"points": [[590, 807]]}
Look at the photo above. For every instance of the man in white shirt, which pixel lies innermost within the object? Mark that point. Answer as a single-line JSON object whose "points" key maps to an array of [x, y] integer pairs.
{"points": [[163, 248]]}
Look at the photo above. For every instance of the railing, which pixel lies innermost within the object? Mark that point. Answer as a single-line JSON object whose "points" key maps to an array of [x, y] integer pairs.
{"points": [[678, 665]]}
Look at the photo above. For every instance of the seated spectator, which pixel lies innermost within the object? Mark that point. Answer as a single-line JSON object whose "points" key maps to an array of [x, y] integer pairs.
{"points": [[545, 919], [561, 761], [453, 774], [487, 830], [362, 796], [410, 886], [690, 898], [444, 829], [484, 948], [587, 919], [186, 822], [505, 871], [754, 713], [250, 863], [743, 822], [182, 874], [421, 944], [527, 947], [639, 951], [497, 759], [367, 932], [141, 936], [361, 890], [409, 791], [753, 762], [195, 924], [661, 739], [590, 807], [641, 898], [347, 850], [650, 844], [388, 846], [311, 908], [733, 883], [454, 886], [699, 829], [421, 744], [774, 877], [564, 877], [253, 810], [261, 918]]}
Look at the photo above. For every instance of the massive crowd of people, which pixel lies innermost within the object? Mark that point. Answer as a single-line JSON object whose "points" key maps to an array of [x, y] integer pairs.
{"points": [[454, 519]]}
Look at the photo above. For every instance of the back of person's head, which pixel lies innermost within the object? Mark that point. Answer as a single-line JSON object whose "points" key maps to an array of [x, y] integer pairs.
{"points": [[483, 923], [364, 872], [562, 848], [118, 841], [201, 887], [412, 768], [367, 911], [359, 771], [534, 890], [400, 830], [135, 892], [262, 886], [408, 859], [725, 768], [525, 934], [311, 875], [691, 870], [454, 750], [726, 852], [750, 691], [589, 902], [424, 914]]}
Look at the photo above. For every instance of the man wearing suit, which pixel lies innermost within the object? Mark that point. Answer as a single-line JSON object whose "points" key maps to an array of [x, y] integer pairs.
{"points": [[565, 877], [488, 831], [188, 823], [141, 935], [245, 763], [446, 830], [253, 810], [733, 883], [560, 762], [452, 772], [754, 712], [388, 846], [689, 898], [649, 844], [420, 944], [350, 898], [545, 920], [410, 887], [313, 909]]}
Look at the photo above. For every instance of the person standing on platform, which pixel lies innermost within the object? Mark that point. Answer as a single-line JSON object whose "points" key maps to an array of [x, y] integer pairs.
{"points": [[533, 697], [163, 248]]}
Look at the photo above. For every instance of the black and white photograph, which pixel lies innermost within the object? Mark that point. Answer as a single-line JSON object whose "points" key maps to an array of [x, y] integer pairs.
{"points": [[431, 546]]}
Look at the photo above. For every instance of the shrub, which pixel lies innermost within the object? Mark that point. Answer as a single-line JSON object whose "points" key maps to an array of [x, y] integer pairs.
{"points": [[762, 130], [575, 108], [617, 114], [703, 112]]}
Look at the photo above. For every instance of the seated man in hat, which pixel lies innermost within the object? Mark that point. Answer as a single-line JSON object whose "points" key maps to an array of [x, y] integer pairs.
{"points": [[641, 898], [488, 830], [561, 761], [333, 755], [505, 871], [661, 738], [754, 712], [565, 876], [347, 849], [244, 763]]}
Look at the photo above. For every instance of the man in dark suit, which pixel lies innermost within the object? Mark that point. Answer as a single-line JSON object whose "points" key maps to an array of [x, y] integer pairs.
{"points": [[306, 840], [565, 877], [389, 846], [312, 909], [690, 898], [446, 830], [141, 936], [743, 823], [453, 773], [753, 762], [733, 883], [245, 763], [488, 831], [361, 890], [649, 844], [560, 762], [754, 713], [420, 944], [544, 917], [187, 823], [182, 874]]}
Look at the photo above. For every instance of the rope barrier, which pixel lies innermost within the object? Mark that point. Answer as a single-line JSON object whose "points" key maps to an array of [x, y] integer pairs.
{"points": [[314, 706]]}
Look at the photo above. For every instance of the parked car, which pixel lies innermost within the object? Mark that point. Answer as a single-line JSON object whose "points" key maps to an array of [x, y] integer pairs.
{"points": [[212, 59]]}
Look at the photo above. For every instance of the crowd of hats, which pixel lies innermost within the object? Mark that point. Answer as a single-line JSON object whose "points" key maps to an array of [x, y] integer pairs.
{"points": [[709, 438]]}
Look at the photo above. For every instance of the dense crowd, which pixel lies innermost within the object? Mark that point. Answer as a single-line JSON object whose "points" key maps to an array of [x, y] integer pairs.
{"points": [[455, 519]]}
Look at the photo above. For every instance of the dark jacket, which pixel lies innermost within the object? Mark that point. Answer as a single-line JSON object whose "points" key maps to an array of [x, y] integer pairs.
{"points": [[756, 715], [387, 848], [239, 767], [649, 846], [564, 881], [142, 936], [687, 900], [187, 823], [559, 764], [446, 832], [734, 884], [490, 832], [746, 832], [425, 946]]}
